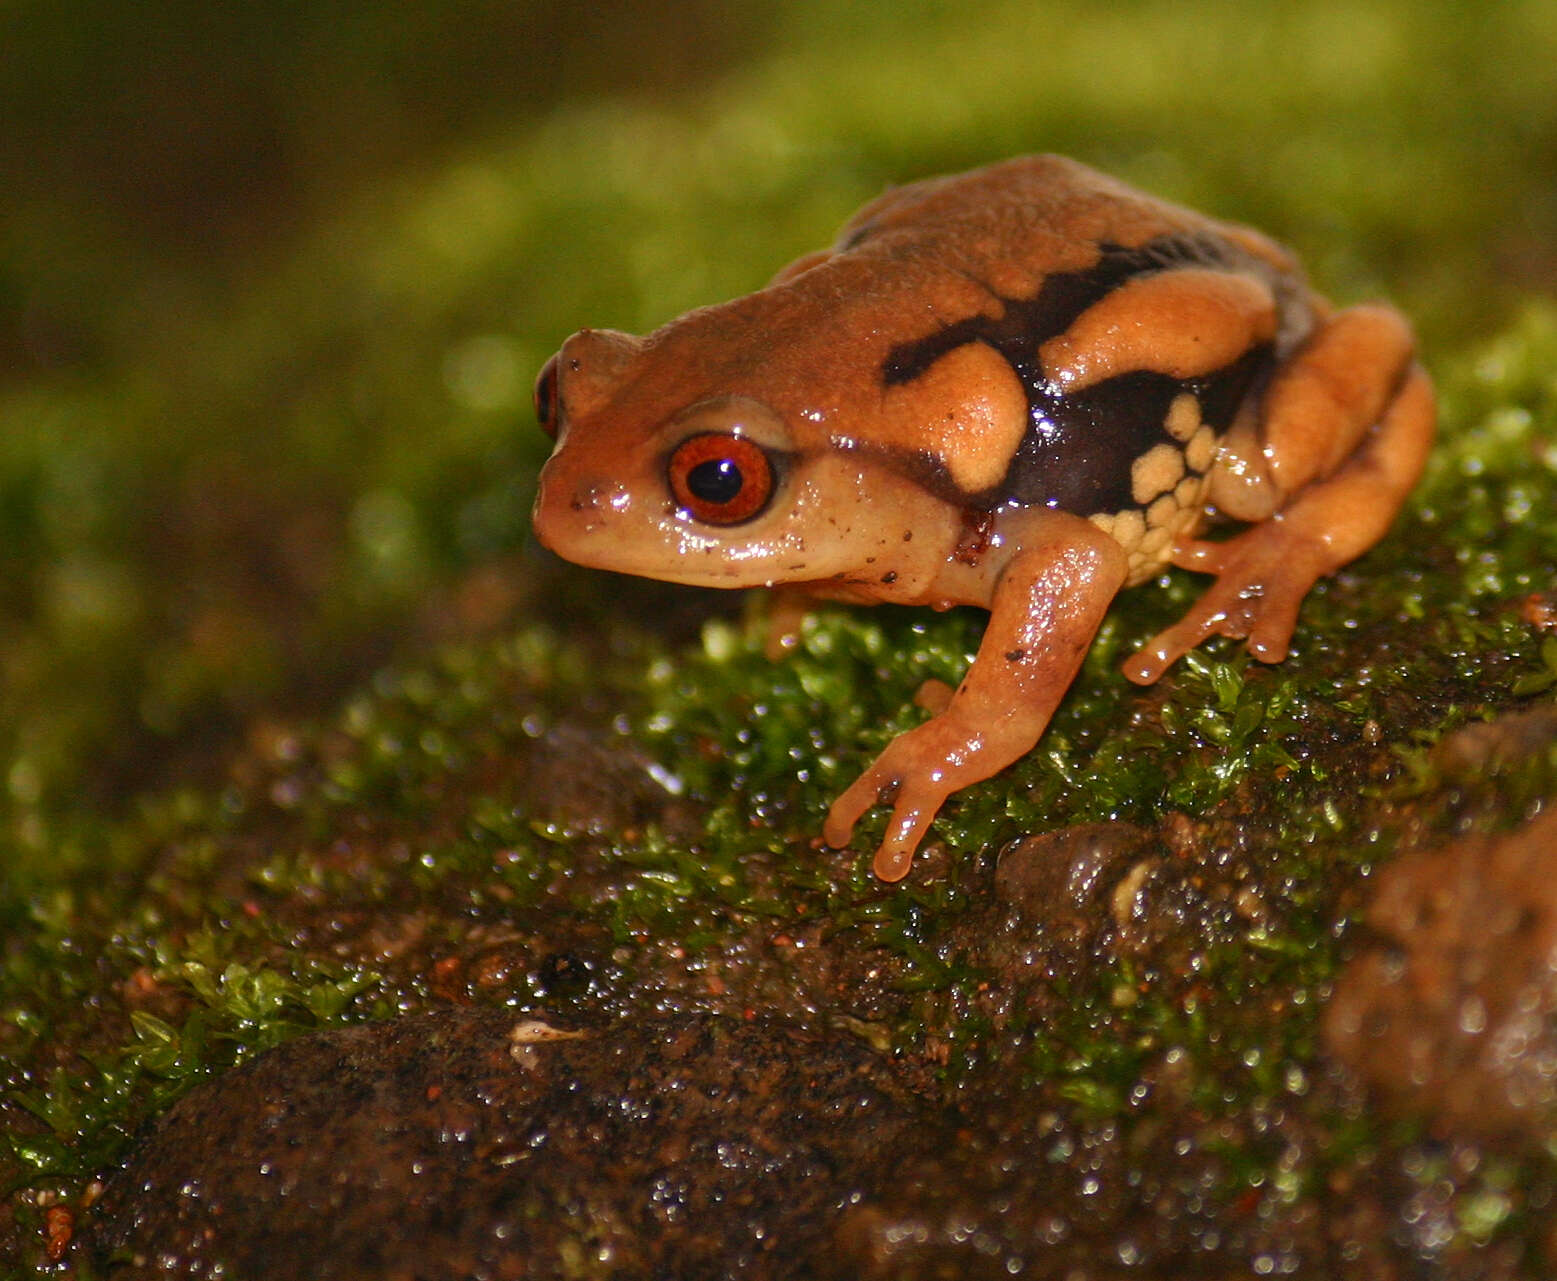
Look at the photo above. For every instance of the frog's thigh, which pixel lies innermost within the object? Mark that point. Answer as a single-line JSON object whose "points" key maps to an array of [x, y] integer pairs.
{"points": [[1185, 322], [1318, 411], [1351, 508]]}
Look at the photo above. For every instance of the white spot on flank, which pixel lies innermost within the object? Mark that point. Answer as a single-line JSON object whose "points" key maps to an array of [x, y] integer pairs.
{"points": [[1183, 417], [1200, 451], [1161, 514], [1155, 472]]}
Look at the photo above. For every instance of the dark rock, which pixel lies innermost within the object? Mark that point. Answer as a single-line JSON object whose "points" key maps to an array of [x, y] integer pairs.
{"points": [[480, 1144]]}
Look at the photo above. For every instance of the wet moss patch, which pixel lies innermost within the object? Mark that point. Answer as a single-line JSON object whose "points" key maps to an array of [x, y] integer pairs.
{"points": [[604, 831], [1100, 998]]}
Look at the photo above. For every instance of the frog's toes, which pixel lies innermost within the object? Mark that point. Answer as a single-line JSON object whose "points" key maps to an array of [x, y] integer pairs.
{"points": [[901, 778], [1262, 577]]}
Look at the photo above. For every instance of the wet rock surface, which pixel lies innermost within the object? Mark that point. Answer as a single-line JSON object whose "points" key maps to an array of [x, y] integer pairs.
{"points": [[480, 1144], [582, 1136], [477, 1144], [1072, 1059]]}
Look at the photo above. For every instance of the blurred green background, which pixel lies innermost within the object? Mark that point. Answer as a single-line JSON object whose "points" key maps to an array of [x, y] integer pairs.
{"points": [[275, 278]]}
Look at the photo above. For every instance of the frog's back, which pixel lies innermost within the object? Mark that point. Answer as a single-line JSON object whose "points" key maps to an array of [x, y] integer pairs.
{"points": [[1062, 257], [1023, 219]]}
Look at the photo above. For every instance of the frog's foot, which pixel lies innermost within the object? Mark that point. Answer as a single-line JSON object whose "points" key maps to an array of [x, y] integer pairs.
{"points": [[1262, 576], [1264, 573], [915, 774]]}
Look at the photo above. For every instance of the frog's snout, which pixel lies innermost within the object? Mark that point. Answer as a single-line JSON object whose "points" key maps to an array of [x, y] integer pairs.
{"points": [[572, 508], [592, 496]]}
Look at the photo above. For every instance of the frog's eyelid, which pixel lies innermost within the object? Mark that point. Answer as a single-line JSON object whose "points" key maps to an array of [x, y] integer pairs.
{"points": [[547, 406]]}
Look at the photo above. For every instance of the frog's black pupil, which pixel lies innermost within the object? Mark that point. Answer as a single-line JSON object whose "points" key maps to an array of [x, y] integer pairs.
{"points": [[718, 481]]}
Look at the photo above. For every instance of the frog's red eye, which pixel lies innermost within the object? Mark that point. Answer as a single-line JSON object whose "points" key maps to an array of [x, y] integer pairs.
{"points": [[720, 479], [546, 398]]}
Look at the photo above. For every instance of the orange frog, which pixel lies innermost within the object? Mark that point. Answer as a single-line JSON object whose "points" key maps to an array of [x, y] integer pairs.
{"points": [[1020, 388]]}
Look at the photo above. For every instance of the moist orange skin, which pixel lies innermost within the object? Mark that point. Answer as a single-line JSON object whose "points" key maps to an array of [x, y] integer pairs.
{"points": [[1021, 388]]}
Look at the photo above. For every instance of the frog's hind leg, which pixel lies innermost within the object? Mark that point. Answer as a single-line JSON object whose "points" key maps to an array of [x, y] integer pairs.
{"points": [[1344, 435]]}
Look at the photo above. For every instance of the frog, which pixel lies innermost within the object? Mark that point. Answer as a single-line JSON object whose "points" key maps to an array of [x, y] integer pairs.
{"points": [[1022, 388]]}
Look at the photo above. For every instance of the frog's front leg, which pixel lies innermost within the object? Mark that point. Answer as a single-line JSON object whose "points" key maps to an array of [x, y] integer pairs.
{"points": [[1046, 609], [1345, 433]]}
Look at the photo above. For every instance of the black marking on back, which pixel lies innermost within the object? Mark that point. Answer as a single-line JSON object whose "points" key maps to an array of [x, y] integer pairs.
{"points": [[1078, 448]]}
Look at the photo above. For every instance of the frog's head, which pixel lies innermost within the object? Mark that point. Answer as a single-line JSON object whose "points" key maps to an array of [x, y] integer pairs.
{"points": [[674, 463]]}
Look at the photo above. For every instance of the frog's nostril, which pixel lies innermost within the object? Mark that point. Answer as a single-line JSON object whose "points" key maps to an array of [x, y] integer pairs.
{"points": [[595, 495]]}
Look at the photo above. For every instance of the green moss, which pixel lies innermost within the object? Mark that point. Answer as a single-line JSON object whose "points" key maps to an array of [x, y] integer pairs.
{"points": [[761, 748], [227, 1009], [243, 497]]}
